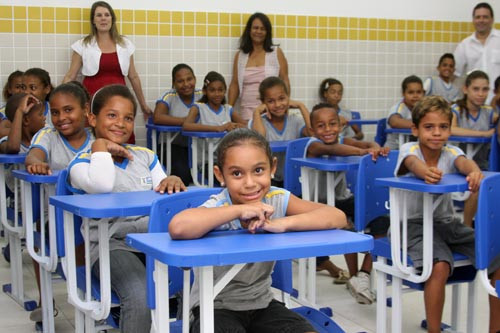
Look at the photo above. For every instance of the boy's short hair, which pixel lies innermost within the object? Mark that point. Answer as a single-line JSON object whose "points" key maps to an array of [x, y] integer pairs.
{"points": [[321, 106], [430, 104], [483, 5]]}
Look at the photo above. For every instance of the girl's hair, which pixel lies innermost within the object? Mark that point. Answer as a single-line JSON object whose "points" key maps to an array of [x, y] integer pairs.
{"points": [[11, 78], [446, 56], [270, 82], [474, 75], [325, 85], [43, 76], [246, 44], [177, 68], [75, 89], [209, 78], [240, 137], [410, 79], [103, 95], [115, 35]]}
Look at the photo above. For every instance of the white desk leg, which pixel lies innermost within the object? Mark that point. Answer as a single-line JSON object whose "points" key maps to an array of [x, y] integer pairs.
{"points": [[170, 139], [154, 143], [397, 313], [472, 306], [381, 297], [162, 297], [162, 147], [206, 299], [194, 161], [211, 145], [186, 286], [456, 298], [304, 179], [401, 140]]}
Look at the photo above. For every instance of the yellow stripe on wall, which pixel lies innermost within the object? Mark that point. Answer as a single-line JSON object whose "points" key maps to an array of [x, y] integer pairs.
{"points": [[22, 19]]}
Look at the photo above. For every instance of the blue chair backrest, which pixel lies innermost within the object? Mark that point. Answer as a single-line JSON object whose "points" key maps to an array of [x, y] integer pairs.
{"points": [[380, 135], [487, 225], [494, 158], [370, 200], [62, 189], [356, 115], [162, 211], [149, 134], [292, 170]]}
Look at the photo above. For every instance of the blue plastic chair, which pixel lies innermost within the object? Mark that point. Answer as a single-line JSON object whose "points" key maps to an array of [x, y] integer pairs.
{"points": [[165, 208], [370, 203], [356, 115], [494, 157], [62, 189], [381, 136], [295, 149], [487, 228]]}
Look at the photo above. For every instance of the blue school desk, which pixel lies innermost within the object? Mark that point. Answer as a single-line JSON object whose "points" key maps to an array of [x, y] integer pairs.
{"points": [[47, 256], [166, 134], [311, 166], [15, 232], [209, 142], [96, 206], [279, 146], [234, 248], [362, 122], [400, 269]]}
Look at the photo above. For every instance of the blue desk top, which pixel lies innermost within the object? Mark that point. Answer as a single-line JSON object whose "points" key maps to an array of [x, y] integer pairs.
{"points": [[232, 247], [12, 158], [107, 204], [449, 183], [38, 179], [363, 121], [279, 146], [164, 128], [398, 130], [204, 134], [331, 163]]}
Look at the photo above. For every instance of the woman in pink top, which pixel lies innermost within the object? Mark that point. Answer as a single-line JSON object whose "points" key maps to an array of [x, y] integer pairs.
{"points": [[256, 59]]}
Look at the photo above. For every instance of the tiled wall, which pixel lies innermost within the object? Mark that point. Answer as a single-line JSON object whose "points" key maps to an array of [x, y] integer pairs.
{"points": [[370, 56]]}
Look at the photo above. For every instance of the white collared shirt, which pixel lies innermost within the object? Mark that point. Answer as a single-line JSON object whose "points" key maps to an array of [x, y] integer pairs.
{"points": [[471, 54]]}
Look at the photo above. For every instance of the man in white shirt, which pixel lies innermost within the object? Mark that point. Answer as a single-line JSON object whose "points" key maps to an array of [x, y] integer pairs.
{"points": [[481, 50]]}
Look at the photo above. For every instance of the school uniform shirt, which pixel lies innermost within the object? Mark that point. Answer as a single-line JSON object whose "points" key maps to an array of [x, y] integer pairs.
{"points": [[98, 173], [250, 289], [342, 192], [436, 86], [347, 132], [399, 109], [9, 179], [46, 113], [57, 149], [446, 164], [177, 108], [207, 116], [2, 113], [292, 129]]}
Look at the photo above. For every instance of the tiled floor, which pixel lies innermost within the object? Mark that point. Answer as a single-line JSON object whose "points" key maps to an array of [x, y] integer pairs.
{"points": [[352, 317]]}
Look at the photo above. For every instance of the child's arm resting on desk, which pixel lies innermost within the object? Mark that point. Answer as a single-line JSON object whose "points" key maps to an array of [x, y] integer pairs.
{"points": [[359, 148], [196, 222], [471, 170], [412, 163], [397, 121], [36, 162]]}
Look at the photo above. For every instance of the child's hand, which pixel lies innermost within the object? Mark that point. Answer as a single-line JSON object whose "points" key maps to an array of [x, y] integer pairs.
{"points": [[474, 179], [342, 121], [39, 169], [433, 175], [252, 216], [274, 226], [27, 103], [171, 184], [384, 151], [489, 133], [113, 148], [261, 109], [230, 126]]}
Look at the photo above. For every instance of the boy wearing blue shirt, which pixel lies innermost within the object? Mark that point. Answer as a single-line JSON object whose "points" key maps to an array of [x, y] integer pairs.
{"points": [[429, 159]]}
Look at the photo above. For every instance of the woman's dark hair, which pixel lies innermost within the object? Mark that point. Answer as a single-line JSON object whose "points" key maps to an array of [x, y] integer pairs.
{"points": [[410, 79], [325, 85], [43, 76], [474, 75], [246, 44], [102, 96], [209, 78], [482, 5], [240, 137], [177, 68], [115, 35], [11, 78], [75, 89], [270, 82], [446, 56]]}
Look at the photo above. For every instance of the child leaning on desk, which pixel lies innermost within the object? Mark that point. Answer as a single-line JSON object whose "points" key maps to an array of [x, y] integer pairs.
{"points": [[326, 129], [245, 167], [112, 166], [429, 159]]}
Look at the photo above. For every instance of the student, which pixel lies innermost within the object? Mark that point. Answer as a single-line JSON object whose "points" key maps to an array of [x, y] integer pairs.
{"points": [[400, 114], [172, 109], [495, 102], [429, 159], [445, 84], [211, 113], [331, 91], [36, 81], [325, 126], [14, 85], [112, 166], [272, 120], [471, 117], [245, 167]]}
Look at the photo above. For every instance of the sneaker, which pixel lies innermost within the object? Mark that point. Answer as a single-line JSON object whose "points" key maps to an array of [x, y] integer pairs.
{"points": [[37, 314], [359, 287]]}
